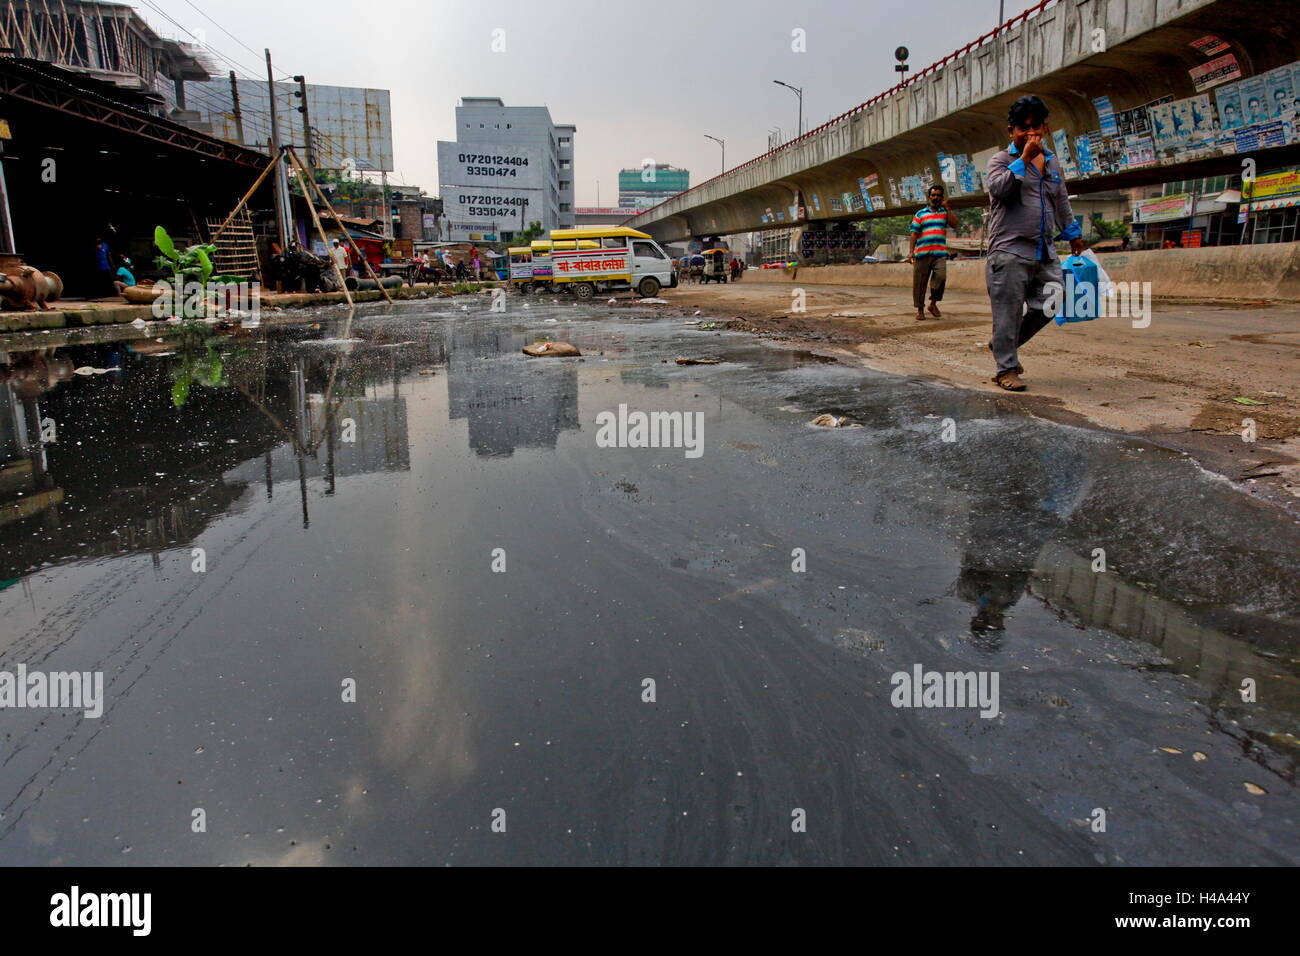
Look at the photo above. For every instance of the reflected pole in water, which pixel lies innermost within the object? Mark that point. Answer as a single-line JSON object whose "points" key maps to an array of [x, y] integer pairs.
{"points": [[302, 488], [329, 455]]}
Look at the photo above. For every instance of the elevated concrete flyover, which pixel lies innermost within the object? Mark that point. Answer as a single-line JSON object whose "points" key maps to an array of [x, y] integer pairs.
{"points": [[1070, 52]]}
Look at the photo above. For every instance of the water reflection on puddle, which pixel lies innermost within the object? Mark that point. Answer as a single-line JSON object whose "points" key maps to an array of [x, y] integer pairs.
{"points": [[343, 475]]}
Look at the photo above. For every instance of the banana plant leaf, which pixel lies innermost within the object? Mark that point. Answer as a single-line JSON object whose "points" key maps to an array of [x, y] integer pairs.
{"points": [[165, 244]]}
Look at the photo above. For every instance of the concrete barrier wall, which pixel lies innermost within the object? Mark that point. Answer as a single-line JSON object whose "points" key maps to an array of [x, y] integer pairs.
{"points": [[1227, 273]]}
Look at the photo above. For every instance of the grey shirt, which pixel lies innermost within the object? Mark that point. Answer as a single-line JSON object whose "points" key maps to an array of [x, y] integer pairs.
{"points": [[1028, 209]]}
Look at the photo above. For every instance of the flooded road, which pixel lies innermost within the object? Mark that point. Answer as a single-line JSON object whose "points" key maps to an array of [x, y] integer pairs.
{"points": [[375, 592]]}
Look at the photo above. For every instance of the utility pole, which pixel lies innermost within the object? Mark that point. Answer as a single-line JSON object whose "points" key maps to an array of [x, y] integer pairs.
{"points": [[234, 100], [306, 122], [6, 218], [388, 206], [281, 179]]}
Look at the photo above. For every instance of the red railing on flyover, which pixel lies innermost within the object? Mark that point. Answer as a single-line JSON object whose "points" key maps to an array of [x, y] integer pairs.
{"points": [[932, 68]]}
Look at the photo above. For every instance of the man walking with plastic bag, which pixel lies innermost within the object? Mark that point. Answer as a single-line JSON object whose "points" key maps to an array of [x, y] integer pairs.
{"points": [[1030, 210]]}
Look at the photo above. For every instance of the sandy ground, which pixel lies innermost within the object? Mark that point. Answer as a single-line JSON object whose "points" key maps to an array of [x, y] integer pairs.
{"points": [[1175, 380]]}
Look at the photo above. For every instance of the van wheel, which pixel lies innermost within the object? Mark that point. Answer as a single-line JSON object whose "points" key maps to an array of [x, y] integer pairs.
{"points": [[584, 290], [649, 287]]}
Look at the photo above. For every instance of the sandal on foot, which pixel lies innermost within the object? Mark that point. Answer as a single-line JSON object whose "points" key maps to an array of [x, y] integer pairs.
{"points": [[1010, 381]]}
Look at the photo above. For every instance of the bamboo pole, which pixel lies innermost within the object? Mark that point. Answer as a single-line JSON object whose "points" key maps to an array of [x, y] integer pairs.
{"points": [[338, 274], [333, 215], [247, 196]]}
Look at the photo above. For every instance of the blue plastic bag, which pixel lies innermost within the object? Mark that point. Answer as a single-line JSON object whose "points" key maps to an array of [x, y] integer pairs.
{"points": [[1085, 284]]}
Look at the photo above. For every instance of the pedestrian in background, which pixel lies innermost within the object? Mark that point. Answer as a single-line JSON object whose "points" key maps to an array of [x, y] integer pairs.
{"points": [[123, 277], [102, 256], [341, 258], [928, 251], [1029, 211]]}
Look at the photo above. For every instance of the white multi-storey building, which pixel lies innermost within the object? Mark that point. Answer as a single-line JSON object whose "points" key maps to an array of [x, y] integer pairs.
{"points": [[509, 166]]}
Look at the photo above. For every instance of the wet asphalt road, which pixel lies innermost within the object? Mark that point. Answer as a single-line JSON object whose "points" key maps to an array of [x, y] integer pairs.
{"points": [[517, 697]]}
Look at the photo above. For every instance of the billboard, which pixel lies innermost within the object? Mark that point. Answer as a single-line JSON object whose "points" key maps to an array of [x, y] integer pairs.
{"points": [[491, 166], [348, 122], [1163, 209], [478, 211]]}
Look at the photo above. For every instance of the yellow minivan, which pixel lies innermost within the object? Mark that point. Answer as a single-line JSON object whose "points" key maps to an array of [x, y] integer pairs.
{"points": [[608, 259]]}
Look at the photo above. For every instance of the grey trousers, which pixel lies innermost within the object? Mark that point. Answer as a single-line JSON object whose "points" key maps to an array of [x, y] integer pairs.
{"points": [[931, 269], [1017, 292]]}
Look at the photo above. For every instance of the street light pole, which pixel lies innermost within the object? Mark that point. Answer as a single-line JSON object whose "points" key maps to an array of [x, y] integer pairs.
{"points": [[799, 93], [723, 144]]}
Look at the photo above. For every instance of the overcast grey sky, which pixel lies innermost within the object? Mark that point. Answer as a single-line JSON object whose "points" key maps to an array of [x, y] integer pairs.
{"points": [[639, 79]]}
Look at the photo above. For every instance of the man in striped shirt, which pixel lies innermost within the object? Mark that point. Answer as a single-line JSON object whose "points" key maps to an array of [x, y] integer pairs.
{"points": [[928, 251]]}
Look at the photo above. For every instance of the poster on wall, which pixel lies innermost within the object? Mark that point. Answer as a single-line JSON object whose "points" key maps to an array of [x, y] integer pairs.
{"points": [[1260, 136], [968, 177], [1209, 45], [1061, 140], [1162, 126], [1278, 87], [1221, 70], [1139, 151], [1204, 123], [1085, 159], [1106, 114], [1254, 101], [947, 168], [1229, 100]]}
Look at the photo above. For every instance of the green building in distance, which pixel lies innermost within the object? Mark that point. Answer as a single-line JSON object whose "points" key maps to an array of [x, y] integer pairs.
{"points": [[651, 185]]}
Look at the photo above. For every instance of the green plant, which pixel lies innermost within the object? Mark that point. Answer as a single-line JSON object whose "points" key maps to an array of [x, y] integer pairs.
{"points": [[1110, 228], [200, 363], [192, 264]]}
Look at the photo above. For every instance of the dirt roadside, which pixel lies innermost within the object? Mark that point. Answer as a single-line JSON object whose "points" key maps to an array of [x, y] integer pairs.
{"points": [[1175, 381]]}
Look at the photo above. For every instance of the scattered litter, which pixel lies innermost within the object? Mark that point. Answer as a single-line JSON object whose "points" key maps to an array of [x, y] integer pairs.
{"points": [[558, 349], [1242, 400], [87, 370], [139, 323], [551, 321], [827, 420], [1171, 750], [656, 302], [1254, 788], [697, 361], [1200, 345], [428, 371], [1198, 756]]}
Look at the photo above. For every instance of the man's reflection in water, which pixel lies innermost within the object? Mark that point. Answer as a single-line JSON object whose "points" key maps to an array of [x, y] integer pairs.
{"points": [[1011, 518]]}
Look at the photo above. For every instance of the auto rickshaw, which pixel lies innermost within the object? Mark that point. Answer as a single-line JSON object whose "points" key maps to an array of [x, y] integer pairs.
{"points": [[717, 265], [521, 268], [541, 279]]}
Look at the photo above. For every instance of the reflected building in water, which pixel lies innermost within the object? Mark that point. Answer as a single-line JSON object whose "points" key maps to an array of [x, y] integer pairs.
{"points": [[508, 402]]}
